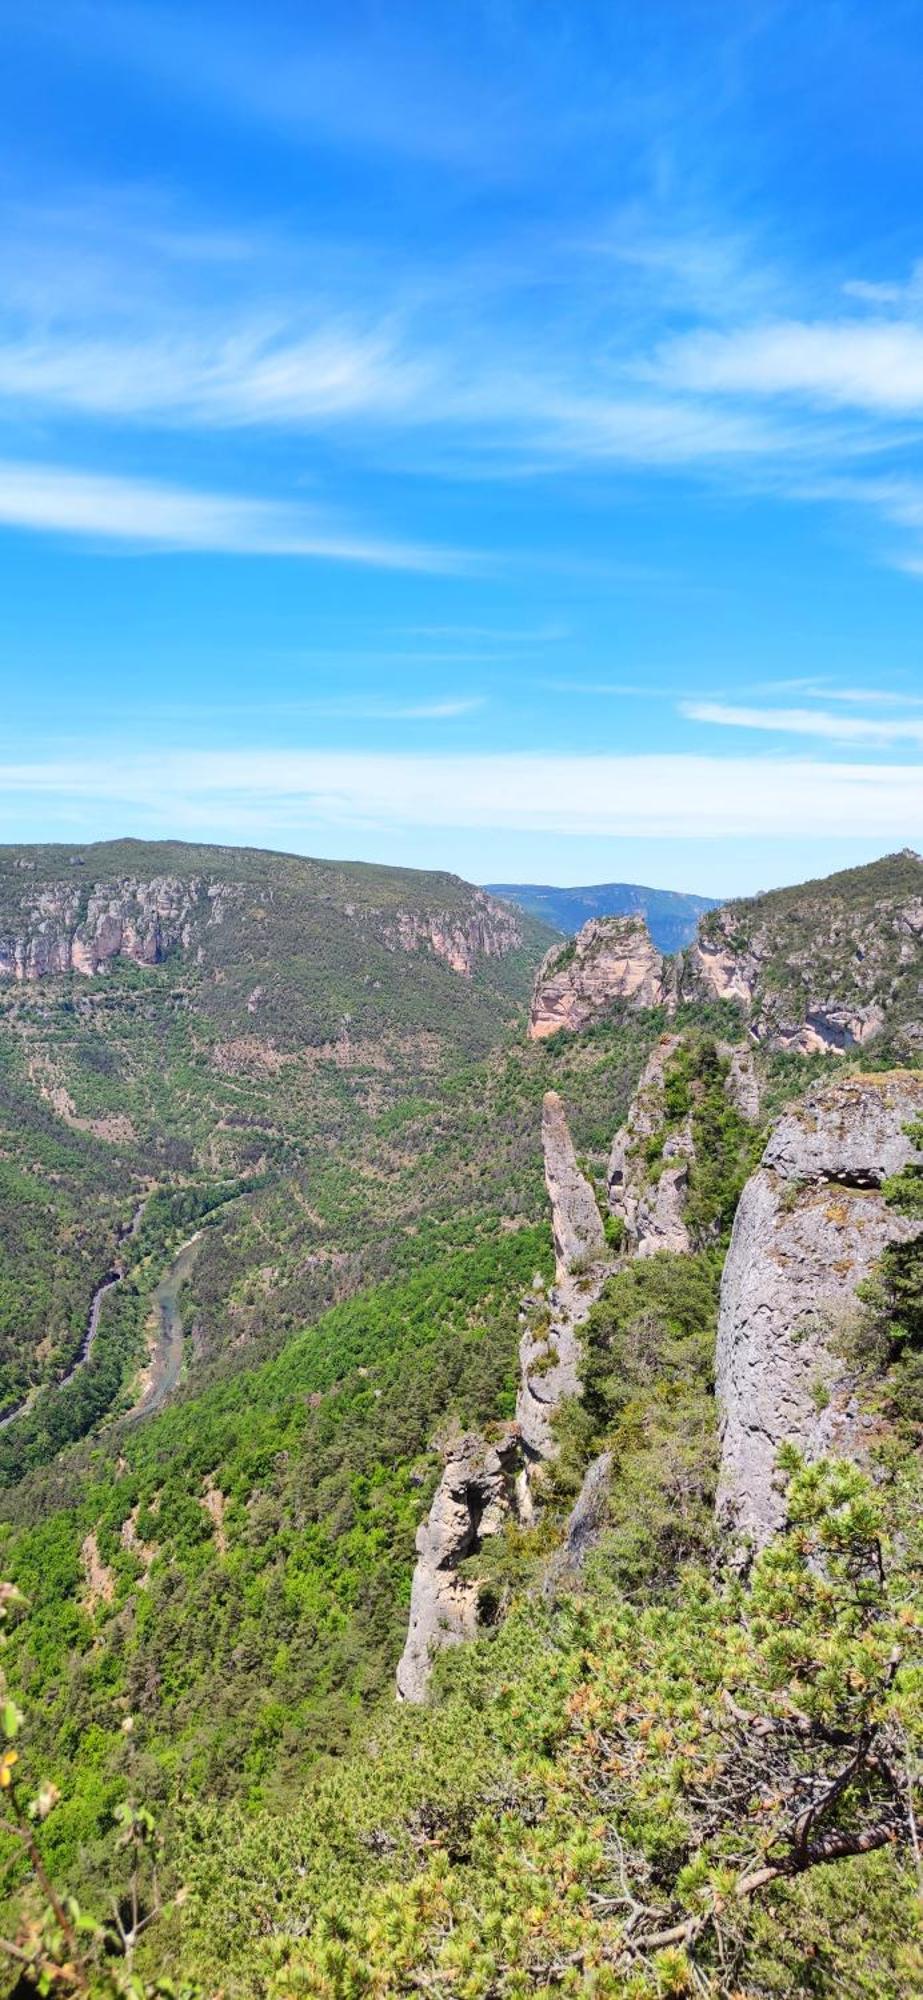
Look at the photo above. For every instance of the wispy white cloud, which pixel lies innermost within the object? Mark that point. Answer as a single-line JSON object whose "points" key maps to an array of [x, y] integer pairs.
{"points": [[692, 797], [54, 499], [872, 365], [825, 690], [870, 729], [259, 373]]}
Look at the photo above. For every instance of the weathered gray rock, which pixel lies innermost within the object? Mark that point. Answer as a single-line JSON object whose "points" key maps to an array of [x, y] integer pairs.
{"points": [[584, 1526], [651, 1210], [549, 1354], [576, 1223], [473, 1500], [811, 1224], [611, 961], [743, 1085], [850, 1132]]}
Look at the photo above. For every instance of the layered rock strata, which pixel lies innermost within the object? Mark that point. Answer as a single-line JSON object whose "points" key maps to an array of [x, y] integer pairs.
{"points": [[611, 961], [811, 1224]]}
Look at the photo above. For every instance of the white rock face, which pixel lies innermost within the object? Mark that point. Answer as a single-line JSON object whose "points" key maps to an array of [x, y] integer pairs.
{"points": [[810, 1226]]}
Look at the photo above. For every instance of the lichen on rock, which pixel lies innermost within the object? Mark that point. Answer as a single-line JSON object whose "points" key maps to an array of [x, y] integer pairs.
{"points": [[811, 1224]]}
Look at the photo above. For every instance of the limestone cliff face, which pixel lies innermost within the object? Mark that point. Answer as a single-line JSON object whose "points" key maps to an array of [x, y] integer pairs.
{"points": [[611, 961], [811, 1224], [474, 1499], [67, 927], [488, 930], [822, 967], [576, 1224], [79, 927]]}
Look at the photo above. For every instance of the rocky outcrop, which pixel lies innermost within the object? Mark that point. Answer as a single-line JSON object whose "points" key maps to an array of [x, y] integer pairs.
{"points": [[488, 930], [649, 1194], [549, 1350], [473, 1500], [811, 1224], [584, 1526], [77, 926], [483, 1485], [611, 962], [743, 1085], [651, 1208], [576, 1224], [69, 927], [821, 968]]}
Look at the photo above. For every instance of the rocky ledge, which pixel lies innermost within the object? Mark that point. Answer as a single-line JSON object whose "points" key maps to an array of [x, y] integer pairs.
{"points": [[811, 1224], [650, 1201], [611, 961]]}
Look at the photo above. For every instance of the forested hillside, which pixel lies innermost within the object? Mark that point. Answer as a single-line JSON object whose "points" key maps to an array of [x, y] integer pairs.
{"points": [[182, 1026], [665, 1764]]}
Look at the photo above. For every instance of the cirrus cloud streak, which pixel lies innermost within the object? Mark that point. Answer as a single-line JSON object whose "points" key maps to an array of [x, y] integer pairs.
{"points": [[59, 500]]}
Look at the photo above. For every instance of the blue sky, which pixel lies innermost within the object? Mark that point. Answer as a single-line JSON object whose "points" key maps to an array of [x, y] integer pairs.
{"points": [[482, 436]]}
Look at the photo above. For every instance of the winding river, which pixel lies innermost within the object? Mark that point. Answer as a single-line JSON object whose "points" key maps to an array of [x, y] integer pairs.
{"points": [[167, 1358]]}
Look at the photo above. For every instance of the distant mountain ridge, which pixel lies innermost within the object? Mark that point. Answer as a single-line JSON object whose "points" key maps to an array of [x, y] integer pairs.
{"points": [[671, 917]]}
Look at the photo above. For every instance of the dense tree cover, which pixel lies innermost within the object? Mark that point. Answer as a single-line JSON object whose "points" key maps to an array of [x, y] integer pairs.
{"points": [[725, 1146], [646, 1778], [252, 1548]]}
